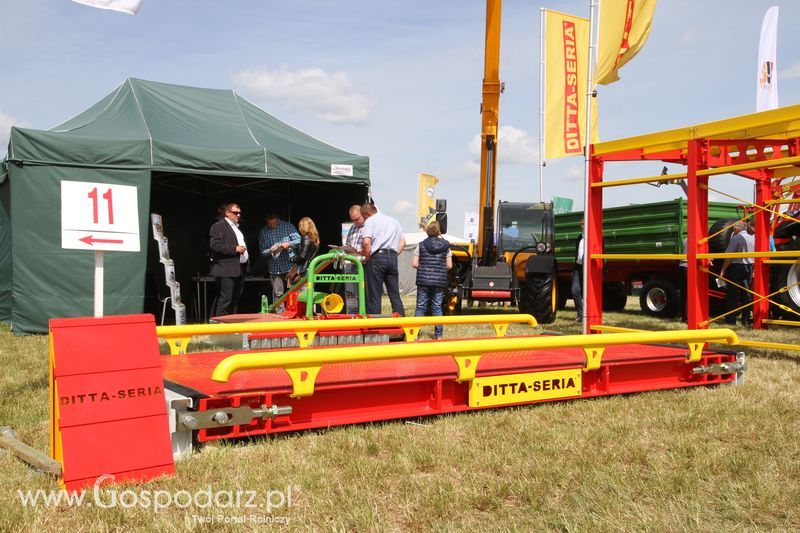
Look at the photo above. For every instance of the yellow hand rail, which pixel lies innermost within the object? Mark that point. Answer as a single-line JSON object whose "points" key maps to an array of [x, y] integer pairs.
{"points": [[303, 365], [178, 336]]}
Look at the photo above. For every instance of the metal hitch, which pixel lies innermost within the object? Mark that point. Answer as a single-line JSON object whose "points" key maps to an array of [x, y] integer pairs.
{"points": [[737, 367], [228, 416]]}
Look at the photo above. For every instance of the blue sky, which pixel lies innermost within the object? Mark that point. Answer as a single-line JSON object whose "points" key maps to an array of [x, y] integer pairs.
{"points": [[399, 81]]}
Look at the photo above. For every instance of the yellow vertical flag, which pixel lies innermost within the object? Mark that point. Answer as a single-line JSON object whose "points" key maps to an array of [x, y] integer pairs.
{"points": [[566, 39], [623, 29], [426, 204]]}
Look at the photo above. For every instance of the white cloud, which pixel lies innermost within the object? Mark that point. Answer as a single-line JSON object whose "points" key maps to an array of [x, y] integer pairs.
{"points": [[330, 97], [575, 173], [515, 146], [5, 130], [402, 207], [689, 37], [790, 73]]}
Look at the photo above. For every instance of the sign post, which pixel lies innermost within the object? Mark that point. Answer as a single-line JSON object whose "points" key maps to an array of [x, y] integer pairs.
{"points": [[99, 217]]}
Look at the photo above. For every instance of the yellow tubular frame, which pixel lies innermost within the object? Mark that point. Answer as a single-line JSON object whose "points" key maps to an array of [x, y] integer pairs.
{"points": [[303, 365], [178, 336]]}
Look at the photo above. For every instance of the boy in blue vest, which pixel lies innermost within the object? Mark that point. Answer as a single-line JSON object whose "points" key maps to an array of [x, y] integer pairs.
{"points": [[432, 259]]}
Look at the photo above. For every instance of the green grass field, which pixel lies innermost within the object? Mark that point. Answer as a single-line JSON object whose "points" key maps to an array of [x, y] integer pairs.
{"points": [[706, 459]]}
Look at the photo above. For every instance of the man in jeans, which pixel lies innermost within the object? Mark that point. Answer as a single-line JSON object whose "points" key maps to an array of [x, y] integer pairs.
{"points": [[738, 272], [382, 241], [276, 241], [432, 260]]}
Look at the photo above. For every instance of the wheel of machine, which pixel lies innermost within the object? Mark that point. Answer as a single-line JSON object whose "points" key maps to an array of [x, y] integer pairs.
{"points": [[788, 276], [562, 297], [659, 298], [539, 297], [452, 301], [614, 296], [719, 243]]}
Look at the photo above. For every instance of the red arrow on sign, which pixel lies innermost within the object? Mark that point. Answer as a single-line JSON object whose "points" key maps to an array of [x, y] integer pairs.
{"points": [[91, 240]]}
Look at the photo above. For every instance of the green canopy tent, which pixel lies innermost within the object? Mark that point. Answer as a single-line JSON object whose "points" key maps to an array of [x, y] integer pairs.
{"points": [[187, 150]]}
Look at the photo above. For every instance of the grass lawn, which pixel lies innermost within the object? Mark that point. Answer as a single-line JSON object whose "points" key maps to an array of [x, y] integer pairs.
{"points": [[706, 459]]}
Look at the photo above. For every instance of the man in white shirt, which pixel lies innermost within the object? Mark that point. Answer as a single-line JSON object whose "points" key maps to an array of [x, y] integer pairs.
{"points": [[382, 241], [230, 259], [738, 271], [577, 277]]}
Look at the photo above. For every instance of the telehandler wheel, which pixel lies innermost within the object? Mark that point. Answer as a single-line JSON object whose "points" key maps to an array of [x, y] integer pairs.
{"points": [[614, 296], [452, 302], [539, 297], [659, 298]]}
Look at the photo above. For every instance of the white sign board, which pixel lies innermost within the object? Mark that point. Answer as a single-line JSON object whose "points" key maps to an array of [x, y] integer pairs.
{"points": [[471, 226], [99, 216]]}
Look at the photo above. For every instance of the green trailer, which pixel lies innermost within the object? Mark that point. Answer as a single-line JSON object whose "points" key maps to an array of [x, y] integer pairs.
{"points": [[655, 228]]}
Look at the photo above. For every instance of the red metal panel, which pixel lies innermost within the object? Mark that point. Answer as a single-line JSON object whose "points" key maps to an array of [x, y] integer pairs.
{"points": [[351, 393], [108, 391], [504, 295], [761, 267], [696, 229], [593, 235]]}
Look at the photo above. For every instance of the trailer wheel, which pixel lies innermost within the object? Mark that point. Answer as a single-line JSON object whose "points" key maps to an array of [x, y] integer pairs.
{"points": [[659, 298], [539, 296], [719, 243], [562, 297], [614, 296], [788, 276]]}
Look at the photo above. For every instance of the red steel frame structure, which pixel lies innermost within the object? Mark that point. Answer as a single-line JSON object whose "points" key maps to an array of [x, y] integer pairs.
{"points": [[763, 147]]}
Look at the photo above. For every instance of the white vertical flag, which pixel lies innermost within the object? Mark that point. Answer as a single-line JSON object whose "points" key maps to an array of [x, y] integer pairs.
{"points": [[767, 83], [125, 6]]}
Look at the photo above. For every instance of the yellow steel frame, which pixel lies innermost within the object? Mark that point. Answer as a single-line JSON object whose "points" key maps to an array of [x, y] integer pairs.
{"points": [[777, 322], [781, 123], [754, 344], [178, 337], [303, 366], [757, 297]]}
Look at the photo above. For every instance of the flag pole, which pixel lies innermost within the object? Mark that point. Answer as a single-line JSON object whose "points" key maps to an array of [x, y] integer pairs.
{"points": [[542, 162], [587, 142]]}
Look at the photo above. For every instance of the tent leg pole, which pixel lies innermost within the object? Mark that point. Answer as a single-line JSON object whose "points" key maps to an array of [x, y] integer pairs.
{"points": [[98, 283]]}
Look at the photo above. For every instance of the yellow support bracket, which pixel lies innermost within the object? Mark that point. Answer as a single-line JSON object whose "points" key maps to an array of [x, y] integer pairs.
{"points": [[177, 345], [411, 333], [695, 351], [303, 379], [594, 356], [305, 338], [500, 329], [467, 365]]}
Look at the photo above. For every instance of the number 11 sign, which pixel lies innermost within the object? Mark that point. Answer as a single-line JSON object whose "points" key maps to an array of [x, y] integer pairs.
{"points": [[99, 217]]}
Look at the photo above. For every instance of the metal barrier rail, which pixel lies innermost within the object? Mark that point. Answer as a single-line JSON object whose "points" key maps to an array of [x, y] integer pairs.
{"points": [[304, 365], [742, 342], [178, 336]]}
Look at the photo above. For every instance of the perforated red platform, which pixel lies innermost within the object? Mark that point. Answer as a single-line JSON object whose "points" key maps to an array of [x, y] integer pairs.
{"points": [[347, 393]]}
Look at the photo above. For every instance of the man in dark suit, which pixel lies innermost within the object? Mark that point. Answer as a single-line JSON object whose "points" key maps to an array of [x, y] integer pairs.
{"points": [[230, 258]]}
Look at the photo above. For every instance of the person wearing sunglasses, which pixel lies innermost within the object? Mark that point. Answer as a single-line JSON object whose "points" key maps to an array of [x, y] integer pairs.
{"points": [[229, 260]]}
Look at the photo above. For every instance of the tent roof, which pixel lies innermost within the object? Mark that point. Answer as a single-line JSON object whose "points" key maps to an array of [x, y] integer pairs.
{"points": [[174, 128]]}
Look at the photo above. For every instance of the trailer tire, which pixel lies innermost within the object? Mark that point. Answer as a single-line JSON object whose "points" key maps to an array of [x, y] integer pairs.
{"points": [[659, 298], [788, 276], [539, 296], [719, 243], [615, 296], [562, 297]]}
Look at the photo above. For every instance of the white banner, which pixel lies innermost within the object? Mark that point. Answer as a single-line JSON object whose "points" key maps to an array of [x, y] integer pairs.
{"points": [[125, 6], [767, 81]]}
